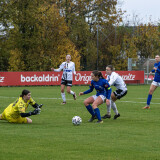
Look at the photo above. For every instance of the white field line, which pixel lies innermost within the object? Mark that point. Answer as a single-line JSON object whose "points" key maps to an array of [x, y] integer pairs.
{"points": [[118, 101]]}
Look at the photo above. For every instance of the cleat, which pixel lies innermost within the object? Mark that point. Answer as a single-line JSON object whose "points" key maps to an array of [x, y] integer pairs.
{"points": [[63, 103], [74, 96], [146, 107], [116, 116], [99, 121], [106, 116], [92, 119]]}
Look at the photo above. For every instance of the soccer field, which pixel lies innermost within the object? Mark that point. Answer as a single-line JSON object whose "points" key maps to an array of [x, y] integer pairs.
{"points": [[52, 136]]}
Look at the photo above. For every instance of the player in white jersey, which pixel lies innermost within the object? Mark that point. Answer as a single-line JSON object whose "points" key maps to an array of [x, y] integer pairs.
{"points": [[121, 90], [68, 68]]}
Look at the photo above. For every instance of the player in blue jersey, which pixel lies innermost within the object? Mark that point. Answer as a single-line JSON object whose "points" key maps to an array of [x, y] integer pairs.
{"points": [[103, 92], [156, 81]]}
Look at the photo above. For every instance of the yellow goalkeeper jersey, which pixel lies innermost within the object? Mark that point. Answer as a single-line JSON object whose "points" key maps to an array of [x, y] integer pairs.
{"points": [[19, 106]]}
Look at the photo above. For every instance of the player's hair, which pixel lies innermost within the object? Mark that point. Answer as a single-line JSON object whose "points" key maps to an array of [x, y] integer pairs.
{"points": [[24, 92], [111, 67], [68, 55], [98, 73]]}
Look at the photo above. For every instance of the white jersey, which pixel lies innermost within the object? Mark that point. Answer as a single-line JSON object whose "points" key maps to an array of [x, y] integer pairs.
{"points": [[116, 80], [68, 69]]}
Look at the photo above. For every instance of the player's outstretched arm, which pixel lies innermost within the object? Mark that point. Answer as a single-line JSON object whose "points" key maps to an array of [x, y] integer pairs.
{"points": [[35, 112]]}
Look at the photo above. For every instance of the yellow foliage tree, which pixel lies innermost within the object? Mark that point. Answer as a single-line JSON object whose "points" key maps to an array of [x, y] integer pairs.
{"points": [[15, 61], [147, 40], [40, 36]]}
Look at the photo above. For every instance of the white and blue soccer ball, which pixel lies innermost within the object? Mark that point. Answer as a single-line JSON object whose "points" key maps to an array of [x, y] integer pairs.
{"points": [[76, 120]]}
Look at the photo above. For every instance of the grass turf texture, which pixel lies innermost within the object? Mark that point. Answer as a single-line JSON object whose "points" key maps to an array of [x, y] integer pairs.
{"points": [[51, 136]]}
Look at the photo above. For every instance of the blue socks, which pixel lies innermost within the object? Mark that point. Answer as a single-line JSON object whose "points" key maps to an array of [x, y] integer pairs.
{"points": [[90, 110], [94, 112], [149, 99], [97, 112]]}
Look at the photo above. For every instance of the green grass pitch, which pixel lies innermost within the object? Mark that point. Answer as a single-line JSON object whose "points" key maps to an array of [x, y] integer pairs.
{"points": [[133, 136]]}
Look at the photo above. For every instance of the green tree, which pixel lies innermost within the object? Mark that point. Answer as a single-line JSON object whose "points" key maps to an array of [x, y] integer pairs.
{"points": [[82, 18], [4, 28]]}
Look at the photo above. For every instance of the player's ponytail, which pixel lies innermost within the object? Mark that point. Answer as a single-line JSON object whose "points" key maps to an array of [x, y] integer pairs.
{"points": [[98, 74], [24, 92]]}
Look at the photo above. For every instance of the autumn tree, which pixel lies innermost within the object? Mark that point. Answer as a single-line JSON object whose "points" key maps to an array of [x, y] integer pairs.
{"points": [[147, 40], [38, 36]]}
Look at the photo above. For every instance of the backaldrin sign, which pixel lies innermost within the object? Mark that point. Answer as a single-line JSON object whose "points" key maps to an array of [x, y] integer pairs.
{"points": [[54, 78]]}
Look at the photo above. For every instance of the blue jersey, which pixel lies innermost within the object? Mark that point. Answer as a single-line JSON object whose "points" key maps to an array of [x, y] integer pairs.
{"points": [[157, 72], [102, 87]]}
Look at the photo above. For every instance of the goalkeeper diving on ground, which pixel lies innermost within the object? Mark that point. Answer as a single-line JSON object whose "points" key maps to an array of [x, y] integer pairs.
{"points": [[16, 112]]}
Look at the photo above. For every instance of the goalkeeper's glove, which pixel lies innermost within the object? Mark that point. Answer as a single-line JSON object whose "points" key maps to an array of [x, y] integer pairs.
{"points": [[36, 111], [36, 105], [39, 106]]}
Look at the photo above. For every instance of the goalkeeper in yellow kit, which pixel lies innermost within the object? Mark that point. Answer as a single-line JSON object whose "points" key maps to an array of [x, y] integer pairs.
{"points": [[16, 112]]}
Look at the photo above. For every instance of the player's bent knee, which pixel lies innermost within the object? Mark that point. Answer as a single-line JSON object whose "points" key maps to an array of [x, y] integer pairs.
{"points": [[94, 106], [85, 103], [29, 120]]}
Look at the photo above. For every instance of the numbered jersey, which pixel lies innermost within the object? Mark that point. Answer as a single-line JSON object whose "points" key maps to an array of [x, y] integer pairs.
{"points": [[68, 70], [116, 80]]}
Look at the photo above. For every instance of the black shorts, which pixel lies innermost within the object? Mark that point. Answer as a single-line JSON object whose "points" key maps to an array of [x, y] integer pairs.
{"points": [[66, 82], [120, 93]]}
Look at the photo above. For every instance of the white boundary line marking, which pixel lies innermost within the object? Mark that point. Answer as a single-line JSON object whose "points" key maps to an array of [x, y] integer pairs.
{"points": [[1, 97]]}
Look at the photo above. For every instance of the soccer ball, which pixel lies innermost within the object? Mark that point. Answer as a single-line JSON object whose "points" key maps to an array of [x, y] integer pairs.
{"points": [[76, 120]]}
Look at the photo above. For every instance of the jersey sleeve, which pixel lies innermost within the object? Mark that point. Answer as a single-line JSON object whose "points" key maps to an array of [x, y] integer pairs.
{"points": [[108, 90], [32, 102], [74, 70], [113, 78], [158, 68], [91, 87], [60, 68], [153, 70]]}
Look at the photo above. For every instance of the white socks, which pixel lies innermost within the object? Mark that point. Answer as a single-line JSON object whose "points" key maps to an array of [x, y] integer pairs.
{"points": [[113, 105], [63, 97], [71, 92], [109, 108]]}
